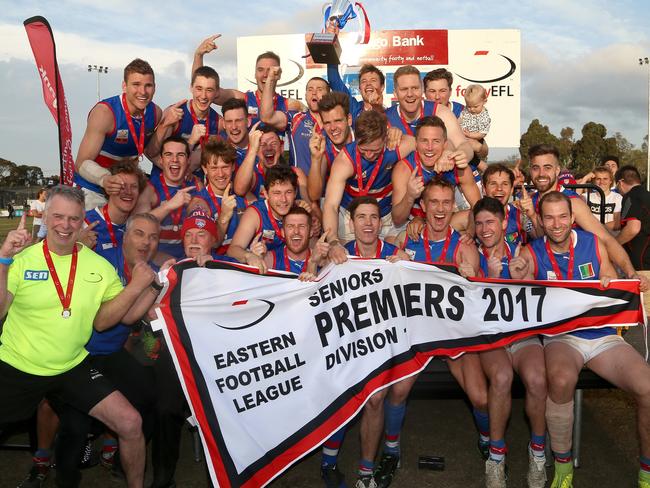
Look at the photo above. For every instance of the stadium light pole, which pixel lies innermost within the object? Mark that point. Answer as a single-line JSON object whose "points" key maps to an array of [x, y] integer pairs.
{"points": [[646, 63], [99, 69]]}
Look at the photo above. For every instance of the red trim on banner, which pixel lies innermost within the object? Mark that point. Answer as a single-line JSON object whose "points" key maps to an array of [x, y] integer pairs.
{"points": [[481, 53], [347, 411], [414, 364], [190, 384]]}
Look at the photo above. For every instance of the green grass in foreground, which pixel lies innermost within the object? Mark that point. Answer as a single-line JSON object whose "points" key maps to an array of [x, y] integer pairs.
{"points": [[6, 225]]}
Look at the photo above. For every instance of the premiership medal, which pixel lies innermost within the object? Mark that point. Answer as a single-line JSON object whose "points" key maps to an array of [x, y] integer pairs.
{"points": [[66, 298]]}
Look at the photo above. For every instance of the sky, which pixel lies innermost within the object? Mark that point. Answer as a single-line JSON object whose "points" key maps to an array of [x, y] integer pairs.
{"points": [[579, 60]]}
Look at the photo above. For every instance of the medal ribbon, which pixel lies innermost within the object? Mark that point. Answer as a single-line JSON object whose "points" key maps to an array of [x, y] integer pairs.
{"points": [[217, 205], [203, 139], [377, 252], [274, 223], [109, 225], [67, 298], [406, 125], [507, 252], [363, 191], [259, 101], [127, 271], [139, 142], [556, 267], [177, 214], [427, 248], [287, 264]]}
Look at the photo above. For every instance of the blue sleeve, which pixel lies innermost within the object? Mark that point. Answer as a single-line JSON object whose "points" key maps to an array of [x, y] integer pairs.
{"points": [[337, 84], [335, 80]]}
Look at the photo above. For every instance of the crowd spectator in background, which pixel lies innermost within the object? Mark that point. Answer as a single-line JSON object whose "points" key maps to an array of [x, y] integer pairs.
{"points": [[635, 217], [602, 177], [36, 211]]}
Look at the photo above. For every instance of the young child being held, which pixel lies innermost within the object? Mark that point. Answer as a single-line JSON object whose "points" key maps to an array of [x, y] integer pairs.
{"points": [[475, 119]]}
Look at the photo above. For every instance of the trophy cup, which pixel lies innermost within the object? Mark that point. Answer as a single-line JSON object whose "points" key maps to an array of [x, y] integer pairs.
{"points": [[325, 47]]}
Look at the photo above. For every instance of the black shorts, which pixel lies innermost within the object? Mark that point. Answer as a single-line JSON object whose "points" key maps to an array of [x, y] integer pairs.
{"points": [[83, 387]]}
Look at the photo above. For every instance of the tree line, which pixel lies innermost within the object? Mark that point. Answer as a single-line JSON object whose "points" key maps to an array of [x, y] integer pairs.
{"points": [[581, 155], [21, 175]]}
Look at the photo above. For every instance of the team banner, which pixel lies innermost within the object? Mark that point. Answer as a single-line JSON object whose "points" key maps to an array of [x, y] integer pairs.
{"points": [[272, 366], [41, 39]]}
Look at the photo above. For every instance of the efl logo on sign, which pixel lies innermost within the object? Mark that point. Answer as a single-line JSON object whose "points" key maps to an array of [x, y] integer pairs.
{"points": [[33, 275]]}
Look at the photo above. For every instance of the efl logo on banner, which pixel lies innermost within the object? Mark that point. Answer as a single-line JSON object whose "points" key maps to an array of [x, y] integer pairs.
{"points": [[272, 366]]}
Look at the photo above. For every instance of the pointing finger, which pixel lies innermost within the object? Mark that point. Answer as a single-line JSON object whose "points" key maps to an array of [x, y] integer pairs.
{"points": [[23, 220], [92, 225], [323, 238], [188, 189], [213, 37], [226, 192], [180, 103]]}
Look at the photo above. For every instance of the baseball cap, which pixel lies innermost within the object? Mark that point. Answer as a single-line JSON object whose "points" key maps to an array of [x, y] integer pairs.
{"points": [[199, 220]]}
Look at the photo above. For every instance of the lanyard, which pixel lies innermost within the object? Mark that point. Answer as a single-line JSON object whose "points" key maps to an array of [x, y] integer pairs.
{"points": [[109, 225], [406, 125], [139, 142], [556, 267], [287, 264], [427, 248], [196, 121], [67, 298], [377, 252], [363, 191]]}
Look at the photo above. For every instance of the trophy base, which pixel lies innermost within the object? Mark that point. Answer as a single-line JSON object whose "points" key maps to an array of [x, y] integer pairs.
{"points": [[324, 48]]}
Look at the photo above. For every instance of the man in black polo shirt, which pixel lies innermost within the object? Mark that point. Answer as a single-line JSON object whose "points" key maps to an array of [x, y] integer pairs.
{"points": [[635, 217]]}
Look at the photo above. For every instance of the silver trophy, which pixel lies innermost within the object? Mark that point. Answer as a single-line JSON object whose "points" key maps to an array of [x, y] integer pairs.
{"points": [[324, 47]]}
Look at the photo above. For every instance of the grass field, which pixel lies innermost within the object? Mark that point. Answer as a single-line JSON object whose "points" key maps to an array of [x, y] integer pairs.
{"points": [[6, 225]]}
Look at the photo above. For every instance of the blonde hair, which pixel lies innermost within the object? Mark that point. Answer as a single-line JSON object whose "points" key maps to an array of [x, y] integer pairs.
{"points": [[474, 91]]}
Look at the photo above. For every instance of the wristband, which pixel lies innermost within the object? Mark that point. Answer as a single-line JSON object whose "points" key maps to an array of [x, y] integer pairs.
{"points": [[156, 286], [6, 261]]}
